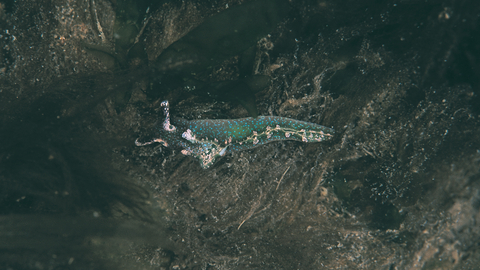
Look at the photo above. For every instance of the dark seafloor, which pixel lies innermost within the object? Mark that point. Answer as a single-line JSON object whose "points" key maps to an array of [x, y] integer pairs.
{"points": [[397, 188]]}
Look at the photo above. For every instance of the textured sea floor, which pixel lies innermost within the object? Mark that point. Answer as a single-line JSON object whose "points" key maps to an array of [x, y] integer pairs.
{"points": [[398, 187]]}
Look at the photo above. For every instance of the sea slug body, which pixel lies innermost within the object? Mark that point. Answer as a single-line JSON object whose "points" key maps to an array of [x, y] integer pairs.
{"points": [[208, 139]]}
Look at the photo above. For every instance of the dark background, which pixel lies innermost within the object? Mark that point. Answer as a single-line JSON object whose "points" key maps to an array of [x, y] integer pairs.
{"points": [[397, 188]]}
